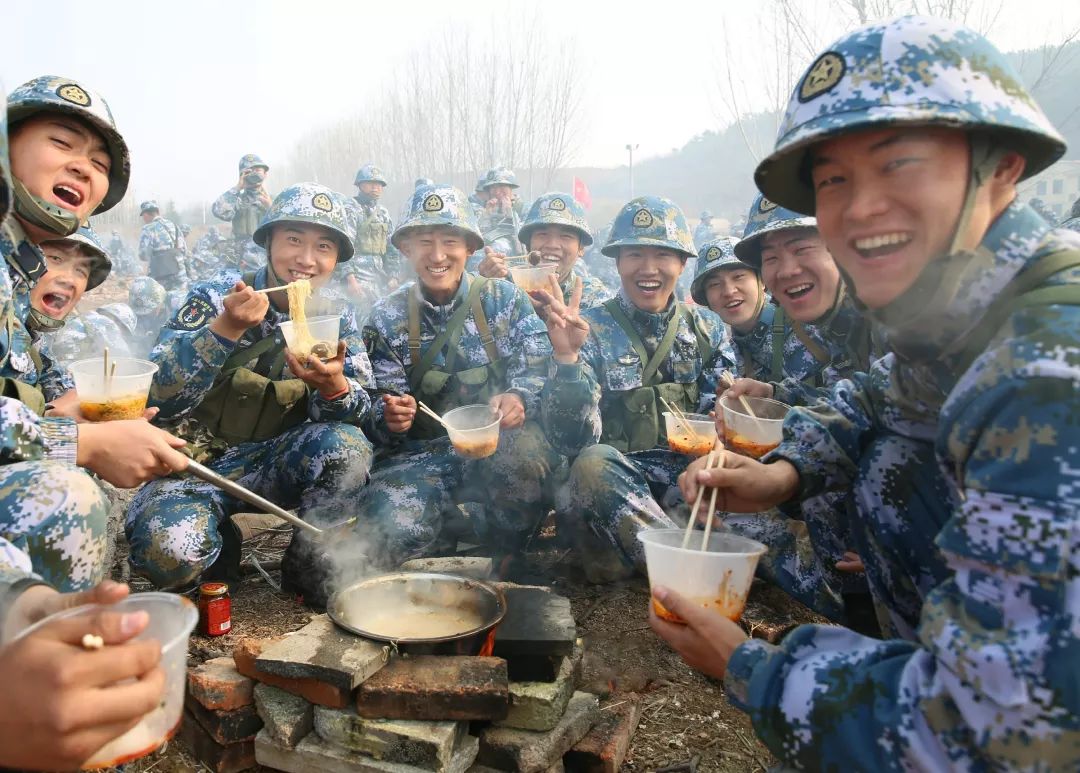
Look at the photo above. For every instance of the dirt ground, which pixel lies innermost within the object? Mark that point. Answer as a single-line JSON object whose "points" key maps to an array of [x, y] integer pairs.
{"points": [[686, 717]]}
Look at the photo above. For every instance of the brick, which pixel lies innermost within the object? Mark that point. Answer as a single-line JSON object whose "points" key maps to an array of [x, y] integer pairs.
{"points": [[322, 651], [433, 687], [537, 622], [532, 752], [540, 705], [226, 727], [315, 754], [218, 758], [604, 748], [312, 690], [427, 745], [287, 717], [216, 684], [474, 567]]}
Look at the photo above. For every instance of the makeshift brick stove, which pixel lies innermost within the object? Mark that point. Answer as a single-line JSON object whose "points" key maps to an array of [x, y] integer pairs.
{"points": [[325, 699]]}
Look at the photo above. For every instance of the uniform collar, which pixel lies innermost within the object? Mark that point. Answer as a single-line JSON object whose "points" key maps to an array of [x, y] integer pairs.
{"points": [[25, 261], [763, 323], [445, 309], [646, 320]]}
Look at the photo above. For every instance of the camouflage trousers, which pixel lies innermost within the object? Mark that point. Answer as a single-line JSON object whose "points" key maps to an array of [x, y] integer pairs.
{"points": [[413, 488], [53, 519], [172, 524], [901, 503], [613, 496]]}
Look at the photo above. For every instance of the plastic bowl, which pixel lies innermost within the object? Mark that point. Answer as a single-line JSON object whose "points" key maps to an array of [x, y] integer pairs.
{"points": [[533, 277], [172, 619], [753, 437], [324, 337], [718, 578], [121, 396], [696, 443], [473, 430]]}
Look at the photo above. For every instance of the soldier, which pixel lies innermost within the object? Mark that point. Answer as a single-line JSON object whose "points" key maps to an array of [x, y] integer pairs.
{"points": [[75, 265], [206, 258], [501, 212], [907, 138], [374, 269], [453, 339], [162, 247], [1073, 221], [124, 262], [612, 364], [148, 300], [282, 427], [705, 232], [244, 205], [556, 233]]}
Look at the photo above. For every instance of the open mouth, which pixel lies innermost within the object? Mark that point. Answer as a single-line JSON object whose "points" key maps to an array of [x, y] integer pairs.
{"points": [[437, 270], [882, 244], [68, 195], [552, 259], [55, 303], [734, 304], [298, 275], [799, 291], [649, 286]]}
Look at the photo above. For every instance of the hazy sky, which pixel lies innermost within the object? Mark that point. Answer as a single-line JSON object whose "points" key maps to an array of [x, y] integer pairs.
{"points": [[195, 85]]}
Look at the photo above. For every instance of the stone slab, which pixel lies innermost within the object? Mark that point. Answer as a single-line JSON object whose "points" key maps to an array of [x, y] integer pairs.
{"points": [[322, 651], [216, 684], [532, 752], [434, 687], [604, 748], [537, 622], [287, 717], [540, 705], [315, 754], [311, 690], [474, 567], [427, 745]]}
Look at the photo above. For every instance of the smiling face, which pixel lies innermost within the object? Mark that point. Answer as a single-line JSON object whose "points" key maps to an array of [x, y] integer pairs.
{"points": [[504, 194], [62, 160], [558, 245], [799, 272], [649, 274], [303, 251], [735, 294], [888, 203], [437, 254], [58, 291]]}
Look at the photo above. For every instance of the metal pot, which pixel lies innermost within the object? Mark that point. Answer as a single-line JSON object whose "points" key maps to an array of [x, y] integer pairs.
{"points": [[422, 613]]}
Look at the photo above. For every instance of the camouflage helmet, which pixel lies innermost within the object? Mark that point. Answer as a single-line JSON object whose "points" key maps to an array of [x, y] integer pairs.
{"points": [[121, 314], [714, 255], [650, 221], [149, 206], [705, 215], [369, 173], [185, 229], [5, 169], [766, 217], [51, 93], [250, 161], [421, 181], [105, 329], [101, 263], [910, 71], [500, 175], [556, 209], [146, 296], [440, 205], [66, 344], [174, 300], [310, 203]]}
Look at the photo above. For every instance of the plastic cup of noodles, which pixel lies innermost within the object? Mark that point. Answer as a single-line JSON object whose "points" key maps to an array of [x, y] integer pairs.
{"points": [[172, 619], [716, 578], [473, 430], [121, 394], [749, 436], [324, 337], [697, 441], [533, 278]]}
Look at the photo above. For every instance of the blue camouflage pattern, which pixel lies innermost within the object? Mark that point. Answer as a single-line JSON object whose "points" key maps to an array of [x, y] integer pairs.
{"points": [[439, 205], [556, 209], [766, 217], [369, 173], [650, 221], [713, 255], [313, 204]]}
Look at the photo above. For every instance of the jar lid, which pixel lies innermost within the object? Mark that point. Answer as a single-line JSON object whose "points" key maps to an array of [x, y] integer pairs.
{"points": [[213, 589]]}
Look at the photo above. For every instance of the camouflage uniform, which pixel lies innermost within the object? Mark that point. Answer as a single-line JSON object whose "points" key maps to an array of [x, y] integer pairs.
{"points": [[500, 227], [599, 408], [958, 445], [705, 232], [147, 299], [317, 465], [1073, 221], [563, 209], [418, 476], [163, 247], [376, 262], [52, 515], [206, 258], [241, 207]]}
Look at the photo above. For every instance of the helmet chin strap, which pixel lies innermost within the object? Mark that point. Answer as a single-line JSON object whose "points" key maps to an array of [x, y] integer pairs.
{"points": [[40, 213], [40, 322]]}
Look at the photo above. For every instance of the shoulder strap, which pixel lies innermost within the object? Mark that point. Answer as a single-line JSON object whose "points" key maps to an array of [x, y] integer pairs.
{"points": [[661, 353], [249, 353], [482, 326], [779, 335], [627, 326], [811, 345], [457, 320]]}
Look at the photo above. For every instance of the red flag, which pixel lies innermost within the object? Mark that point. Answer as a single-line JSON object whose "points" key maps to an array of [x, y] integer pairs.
{"points": [[581, 193]]}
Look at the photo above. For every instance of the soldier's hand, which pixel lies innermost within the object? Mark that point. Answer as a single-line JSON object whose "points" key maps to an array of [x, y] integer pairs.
{"points": [[512, 407], [745, 387], [566, 328], [399, 412], [851, 563], [493, 265], [708, 639], [328, 378], [127, 453], [62, 702], [745, 485], [264, 197], [40, 601], [243, 308]]}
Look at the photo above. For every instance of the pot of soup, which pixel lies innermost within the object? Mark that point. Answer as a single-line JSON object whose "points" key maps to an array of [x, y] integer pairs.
{"points": [[422, 613]]}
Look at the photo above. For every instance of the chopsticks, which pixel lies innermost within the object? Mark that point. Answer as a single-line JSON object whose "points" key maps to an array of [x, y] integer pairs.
{"points": [[432, 414], [282, 287], [679, 415], [730, 381], [714, 462]]}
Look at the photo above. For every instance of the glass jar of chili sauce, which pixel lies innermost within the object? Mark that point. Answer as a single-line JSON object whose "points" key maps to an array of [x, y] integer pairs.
{"points": [[215, 609]]}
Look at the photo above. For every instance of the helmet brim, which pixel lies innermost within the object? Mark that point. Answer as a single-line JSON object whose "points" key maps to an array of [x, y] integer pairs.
{"points": [[345, 245], [611, 249], [748, 249], [525, 232]]}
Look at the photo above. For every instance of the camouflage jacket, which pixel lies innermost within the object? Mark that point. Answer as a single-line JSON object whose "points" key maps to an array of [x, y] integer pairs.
{"points": [[189, 355], [231, 202], [158, 235], [593, 291], [519, 336], [607, 363], [990, 678]]}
